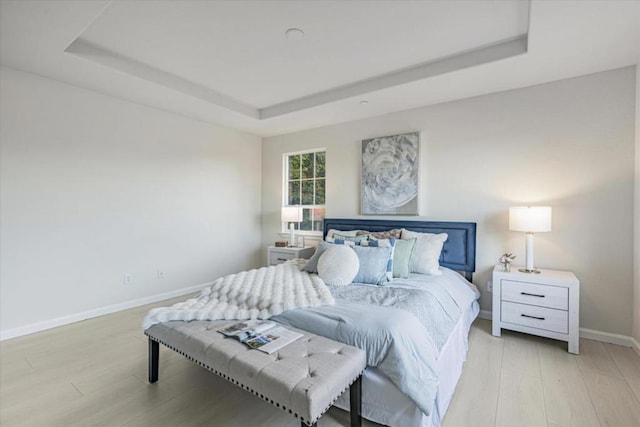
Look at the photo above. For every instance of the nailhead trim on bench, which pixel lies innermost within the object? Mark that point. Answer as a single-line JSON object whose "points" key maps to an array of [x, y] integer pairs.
{"points": [[277, 404]]}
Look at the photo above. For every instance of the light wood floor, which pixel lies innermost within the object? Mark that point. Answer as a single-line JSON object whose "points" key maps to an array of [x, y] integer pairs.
{"points": [[94, 373]]}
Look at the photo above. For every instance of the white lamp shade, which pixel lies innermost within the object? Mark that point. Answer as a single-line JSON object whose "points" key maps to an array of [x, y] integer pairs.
{"points": [[530, 219], [291, 214]]}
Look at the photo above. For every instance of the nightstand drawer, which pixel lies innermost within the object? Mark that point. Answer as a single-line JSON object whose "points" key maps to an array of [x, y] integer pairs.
{"points": [[276, 257], [535, 294], [536, 317]]}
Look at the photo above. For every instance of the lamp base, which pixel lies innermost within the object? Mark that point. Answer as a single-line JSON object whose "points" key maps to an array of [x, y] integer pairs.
{"points": [[524, 270], [292, 236]]}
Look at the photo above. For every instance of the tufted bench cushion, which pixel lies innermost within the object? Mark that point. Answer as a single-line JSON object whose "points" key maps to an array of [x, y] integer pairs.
{"points": [[303, 378]]}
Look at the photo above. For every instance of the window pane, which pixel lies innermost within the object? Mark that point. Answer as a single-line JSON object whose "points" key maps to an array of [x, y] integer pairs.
{"points": [[306, 219], [312, 219], [294, 167], [294, 193], [307, 192], [318, 218], [319, 192], [320, 165], [307, 165]]}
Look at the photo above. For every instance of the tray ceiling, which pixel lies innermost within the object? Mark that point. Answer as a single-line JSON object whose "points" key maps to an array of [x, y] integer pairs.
{"points": [[231, 63]]}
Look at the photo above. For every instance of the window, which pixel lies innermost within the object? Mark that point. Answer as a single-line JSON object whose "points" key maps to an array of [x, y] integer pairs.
{"points": [[304, 185]]}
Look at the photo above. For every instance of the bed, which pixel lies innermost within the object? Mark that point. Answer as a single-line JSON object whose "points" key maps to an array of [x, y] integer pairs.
{"points": [[382, 400], [414, 329]]}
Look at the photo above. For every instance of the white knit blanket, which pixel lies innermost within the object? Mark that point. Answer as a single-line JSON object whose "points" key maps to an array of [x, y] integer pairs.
{"points": [[253, 294]]}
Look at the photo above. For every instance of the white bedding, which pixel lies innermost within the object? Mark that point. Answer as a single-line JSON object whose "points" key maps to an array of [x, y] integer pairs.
{"points": [[355, 320], [384, 403], [252, 294]]}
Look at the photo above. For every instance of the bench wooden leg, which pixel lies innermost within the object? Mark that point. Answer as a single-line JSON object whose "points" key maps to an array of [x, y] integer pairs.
{"points": [[154, 359], [355, 402]]}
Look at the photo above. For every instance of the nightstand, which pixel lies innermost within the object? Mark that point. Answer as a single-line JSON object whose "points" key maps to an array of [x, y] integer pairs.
{"points": [[545, 304], [277, 255]]}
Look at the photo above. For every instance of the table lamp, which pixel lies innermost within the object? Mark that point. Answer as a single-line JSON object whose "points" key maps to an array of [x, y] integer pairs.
{"points": [[291, 214], [530, 219]]}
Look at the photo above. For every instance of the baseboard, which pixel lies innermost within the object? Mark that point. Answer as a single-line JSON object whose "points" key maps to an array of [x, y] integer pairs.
{"points": [[485, 314], [618, 339], [65, 320], [591, 334]]}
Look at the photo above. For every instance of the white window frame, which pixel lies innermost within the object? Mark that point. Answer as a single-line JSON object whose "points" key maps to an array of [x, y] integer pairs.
{"points": [[285, 189]]}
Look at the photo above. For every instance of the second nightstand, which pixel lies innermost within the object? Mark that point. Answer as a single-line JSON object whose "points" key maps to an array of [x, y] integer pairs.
{"points": [[545, 304], [278, 255]]}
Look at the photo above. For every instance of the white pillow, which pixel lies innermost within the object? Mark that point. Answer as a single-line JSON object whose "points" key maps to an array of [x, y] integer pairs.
{"points": [[331, 232], [426, 252], [338, 265]]}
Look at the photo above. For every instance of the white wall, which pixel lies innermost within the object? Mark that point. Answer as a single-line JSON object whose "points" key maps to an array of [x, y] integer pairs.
{"points": [[94, 187], [568, 144], [636, 263]]}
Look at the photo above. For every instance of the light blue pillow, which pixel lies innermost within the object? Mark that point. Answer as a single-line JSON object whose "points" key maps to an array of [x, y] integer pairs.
{"points": [[312, 265], [384, 243], [376, 265]]}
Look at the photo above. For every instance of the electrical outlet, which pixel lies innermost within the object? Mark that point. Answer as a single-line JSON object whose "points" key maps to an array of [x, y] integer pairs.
{"points": [[489, 286], [127, 278], [160, 274]]}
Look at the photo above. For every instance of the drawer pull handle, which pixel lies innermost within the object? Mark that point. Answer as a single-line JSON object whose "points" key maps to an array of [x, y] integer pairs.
{"points": [[531, 295], [282, 259], [532, 317]]}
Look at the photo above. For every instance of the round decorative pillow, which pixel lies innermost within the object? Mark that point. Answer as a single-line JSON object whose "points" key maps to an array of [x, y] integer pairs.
{"points": [[338, 265]]}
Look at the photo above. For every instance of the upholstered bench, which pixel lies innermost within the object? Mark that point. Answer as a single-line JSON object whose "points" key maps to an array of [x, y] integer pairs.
{"points": [[303, 378]]}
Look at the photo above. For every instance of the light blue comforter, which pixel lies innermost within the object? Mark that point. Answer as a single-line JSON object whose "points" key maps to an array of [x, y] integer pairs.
{"points": [[402, 326]]}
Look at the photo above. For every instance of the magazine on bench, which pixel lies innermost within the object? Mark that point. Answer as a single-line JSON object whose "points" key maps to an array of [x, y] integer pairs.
{"points": [[263, 335]]}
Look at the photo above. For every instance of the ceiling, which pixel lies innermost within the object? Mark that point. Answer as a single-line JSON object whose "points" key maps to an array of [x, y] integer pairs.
{"points": [[230, 63]]}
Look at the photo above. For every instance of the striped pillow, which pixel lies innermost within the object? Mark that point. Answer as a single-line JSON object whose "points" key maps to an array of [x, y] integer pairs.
{"points": [[347, 238]]}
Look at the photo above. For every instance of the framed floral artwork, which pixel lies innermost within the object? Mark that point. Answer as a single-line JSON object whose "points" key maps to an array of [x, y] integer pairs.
{"points": [[389, 183]]}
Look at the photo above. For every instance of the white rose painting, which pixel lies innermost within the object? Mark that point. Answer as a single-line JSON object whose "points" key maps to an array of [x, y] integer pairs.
{"points": [[390, 175]]}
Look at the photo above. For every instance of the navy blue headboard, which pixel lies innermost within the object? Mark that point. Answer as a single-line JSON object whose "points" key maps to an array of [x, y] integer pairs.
{"points": [[458, 253]]}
